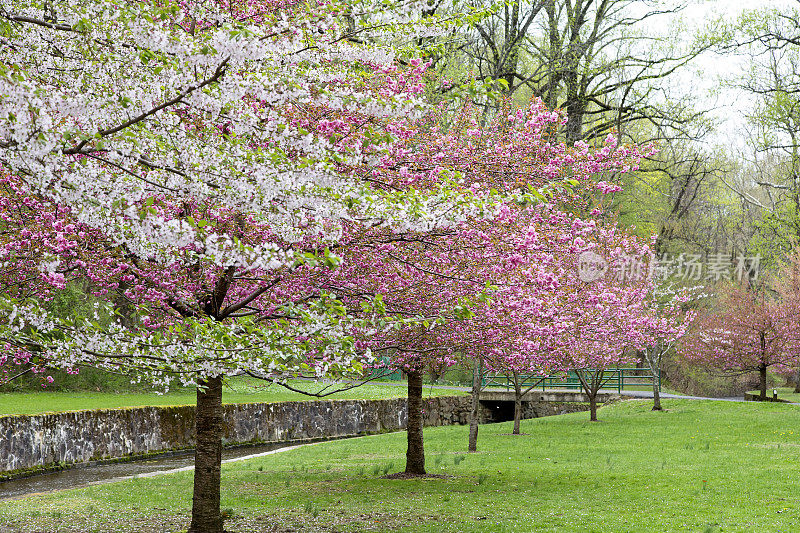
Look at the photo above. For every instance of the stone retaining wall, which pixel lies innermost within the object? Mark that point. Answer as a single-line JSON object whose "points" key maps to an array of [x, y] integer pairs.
{"points": [[37, 442]]}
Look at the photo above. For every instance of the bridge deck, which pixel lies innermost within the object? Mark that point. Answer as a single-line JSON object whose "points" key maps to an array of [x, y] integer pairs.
{"points": [[546, 396]]}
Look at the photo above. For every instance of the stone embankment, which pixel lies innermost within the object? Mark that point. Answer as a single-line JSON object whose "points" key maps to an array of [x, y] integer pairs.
{"points": [[52, 441]]}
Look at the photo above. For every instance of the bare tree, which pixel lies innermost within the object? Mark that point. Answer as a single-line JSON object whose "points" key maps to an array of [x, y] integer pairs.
{"points": [[769, 182], [591, 58]]}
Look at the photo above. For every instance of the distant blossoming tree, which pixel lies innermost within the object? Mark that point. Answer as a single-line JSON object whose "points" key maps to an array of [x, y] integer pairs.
{"points": [[665, 324], [745, 331]]}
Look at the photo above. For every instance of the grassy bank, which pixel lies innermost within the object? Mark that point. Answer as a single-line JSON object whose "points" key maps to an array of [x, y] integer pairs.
{"points": [[784, 393], [701, 466], [238, 390]]}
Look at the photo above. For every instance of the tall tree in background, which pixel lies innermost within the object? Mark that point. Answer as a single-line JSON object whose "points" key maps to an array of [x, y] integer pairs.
{"points": [[499, 52], [671, 197], [768, 40], [596, 59], [608, 65]]}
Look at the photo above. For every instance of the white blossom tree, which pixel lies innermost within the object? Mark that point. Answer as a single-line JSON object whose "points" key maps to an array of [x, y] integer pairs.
{"points": [[162, 152]]}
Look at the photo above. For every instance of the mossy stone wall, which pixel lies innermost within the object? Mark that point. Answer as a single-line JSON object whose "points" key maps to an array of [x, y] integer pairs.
{"points": [[40, 442]]}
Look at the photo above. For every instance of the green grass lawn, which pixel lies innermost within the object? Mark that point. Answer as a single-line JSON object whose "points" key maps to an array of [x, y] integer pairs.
{"points": [[701, 466], [784, 393], [238, 390]]}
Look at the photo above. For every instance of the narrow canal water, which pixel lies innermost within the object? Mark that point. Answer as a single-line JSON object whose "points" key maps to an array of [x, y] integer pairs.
{"points": [[91, 475]]}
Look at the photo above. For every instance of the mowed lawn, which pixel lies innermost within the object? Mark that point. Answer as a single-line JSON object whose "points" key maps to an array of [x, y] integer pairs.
{"points": [[238, 390], [784, 393], [702, 466]]}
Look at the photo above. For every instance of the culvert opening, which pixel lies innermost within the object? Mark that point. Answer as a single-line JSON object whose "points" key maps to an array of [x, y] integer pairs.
{"points": [[500, 411]]}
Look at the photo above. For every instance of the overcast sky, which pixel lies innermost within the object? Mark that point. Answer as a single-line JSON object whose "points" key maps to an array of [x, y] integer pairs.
{"points": [[706, 77]]}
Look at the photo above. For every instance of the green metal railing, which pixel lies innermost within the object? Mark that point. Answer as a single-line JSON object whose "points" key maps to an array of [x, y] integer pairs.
{"points": [[383, 373], [613, 378]]}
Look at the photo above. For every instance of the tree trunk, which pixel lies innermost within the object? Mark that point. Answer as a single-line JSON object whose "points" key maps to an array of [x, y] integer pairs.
{"points": [[472, 446], [656, 396], [576, 109], [641, 356], [591, 391], [797, 383], [122, 305], [762, 371], [653, 361], [415, 453], [206, 517], [517, 404], [593, 407]]}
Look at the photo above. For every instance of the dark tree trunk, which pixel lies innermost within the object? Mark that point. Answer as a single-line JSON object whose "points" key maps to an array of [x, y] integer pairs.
{"points": [[762, 370], [517, 404], [472, 446], [122, 305], [206, 516], [797, 383], [590, 390], [762, 374], [415, 454], [576, 110]]}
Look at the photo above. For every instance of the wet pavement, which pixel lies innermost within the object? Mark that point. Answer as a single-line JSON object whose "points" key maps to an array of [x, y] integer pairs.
{"points": [[82, 476]]}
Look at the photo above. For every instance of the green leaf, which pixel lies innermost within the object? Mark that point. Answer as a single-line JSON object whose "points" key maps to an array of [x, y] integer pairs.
{"points": [[82, 26]]}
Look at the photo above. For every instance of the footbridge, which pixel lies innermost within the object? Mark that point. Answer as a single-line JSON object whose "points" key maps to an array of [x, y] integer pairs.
{"points": [[535, 404]]}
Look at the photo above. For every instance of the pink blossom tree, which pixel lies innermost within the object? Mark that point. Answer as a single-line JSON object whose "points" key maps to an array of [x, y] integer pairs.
{"points": [[482, 279], [600, 304], [665, 324], [530, 336], [745, 331]]}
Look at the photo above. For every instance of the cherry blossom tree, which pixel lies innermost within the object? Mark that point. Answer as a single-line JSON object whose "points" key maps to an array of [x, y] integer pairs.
{"points": [[600, 304], [548, 315], [161, 151], [745, 331], [529, 326], [481, 279], [666, 323]]}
